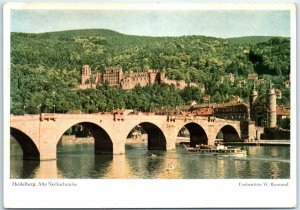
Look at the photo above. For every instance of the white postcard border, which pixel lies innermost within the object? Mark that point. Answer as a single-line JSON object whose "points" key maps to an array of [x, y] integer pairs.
{"points": [[149, 193]]}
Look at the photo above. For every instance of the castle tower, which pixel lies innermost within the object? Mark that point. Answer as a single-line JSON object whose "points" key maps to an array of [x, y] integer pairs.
{"points": [[271, 107], [120, 76], [86, 73], [152, 77], [253, 96], [162, 76]]}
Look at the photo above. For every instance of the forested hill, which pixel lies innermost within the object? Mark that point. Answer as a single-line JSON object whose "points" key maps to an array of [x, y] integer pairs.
{"points": [[251, 39], [51, 62]]}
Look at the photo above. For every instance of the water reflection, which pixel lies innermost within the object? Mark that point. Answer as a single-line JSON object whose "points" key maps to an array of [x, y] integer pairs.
{"points": [[154, 164], [20, 168], [47, 169], [119, 168], [170, 167], [221, 169], [275, 169], [23, 169], [101, 165], [79, 161]]}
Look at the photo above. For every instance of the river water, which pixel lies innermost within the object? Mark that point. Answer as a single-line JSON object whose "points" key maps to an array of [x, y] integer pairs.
{"points": [[79, 161]]}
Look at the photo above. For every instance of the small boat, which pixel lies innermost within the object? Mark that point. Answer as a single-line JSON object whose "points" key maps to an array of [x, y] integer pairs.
{"points": [[219, 150], [152, 155]]}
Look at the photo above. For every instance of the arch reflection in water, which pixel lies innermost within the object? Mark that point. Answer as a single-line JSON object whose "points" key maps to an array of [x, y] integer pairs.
{"points": [[145, 151], [143, 163], [79, 161], [155, 163], [20, 168], [170, 167]]}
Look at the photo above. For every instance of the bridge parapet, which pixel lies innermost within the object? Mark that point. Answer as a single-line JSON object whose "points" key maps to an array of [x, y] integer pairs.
{"points": [[26, 117], [47, 116]]}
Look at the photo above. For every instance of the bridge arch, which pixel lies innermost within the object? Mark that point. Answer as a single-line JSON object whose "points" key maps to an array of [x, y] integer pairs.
{"points": [[229, 134], [29, 148], [156, 137], [197, 133], [103, 142]]}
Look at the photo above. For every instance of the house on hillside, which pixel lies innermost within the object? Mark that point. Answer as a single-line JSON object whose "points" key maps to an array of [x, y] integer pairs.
{"points": [[252, 76], [232, 111]]}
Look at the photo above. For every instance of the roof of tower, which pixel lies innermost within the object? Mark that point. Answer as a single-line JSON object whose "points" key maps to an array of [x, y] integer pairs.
{"points": [[254, 91], [282, 111]]}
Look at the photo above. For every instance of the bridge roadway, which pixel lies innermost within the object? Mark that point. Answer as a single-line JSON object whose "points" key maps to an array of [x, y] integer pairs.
{"points": [[38, 135]]}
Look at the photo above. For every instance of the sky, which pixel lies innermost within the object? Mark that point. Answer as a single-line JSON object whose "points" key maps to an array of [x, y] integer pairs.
{"points": [[216, 23]]}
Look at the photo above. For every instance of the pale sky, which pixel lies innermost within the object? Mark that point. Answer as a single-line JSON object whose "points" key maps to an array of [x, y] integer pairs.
{"points": [[157, 23]]}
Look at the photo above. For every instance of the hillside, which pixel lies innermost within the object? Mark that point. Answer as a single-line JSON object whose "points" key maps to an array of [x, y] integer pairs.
{"points": [[47, 66], [251, 40]]}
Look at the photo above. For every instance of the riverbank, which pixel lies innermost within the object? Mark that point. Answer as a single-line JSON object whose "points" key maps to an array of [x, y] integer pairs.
{"points": [[262, 143], [252, 143], [72, 139]]}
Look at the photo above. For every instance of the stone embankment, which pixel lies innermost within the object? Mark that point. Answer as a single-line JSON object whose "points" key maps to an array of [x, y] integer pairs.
{"points": [[270, 142], [142, 138], [72, 139]]}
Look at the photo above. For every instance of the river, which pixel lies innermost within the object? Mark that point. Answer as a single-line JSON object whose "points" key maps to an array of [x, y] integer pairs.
{"points": [[79, 162]]}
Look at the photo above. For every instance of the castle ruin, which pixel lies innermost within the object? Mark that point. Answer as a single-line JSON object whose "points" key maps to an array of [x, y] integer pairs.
{"points": [[115, 77]]}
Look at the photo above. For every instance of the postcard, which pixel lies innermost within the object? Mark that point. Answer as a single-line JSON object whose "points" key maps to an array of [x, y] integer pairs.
{"points": [[149, 105]]}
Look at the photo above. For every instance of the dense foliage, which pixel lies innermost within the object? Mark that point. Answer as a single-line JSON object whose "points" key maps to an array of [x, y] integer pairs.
{"points": [[272, 57], [45, 69]]}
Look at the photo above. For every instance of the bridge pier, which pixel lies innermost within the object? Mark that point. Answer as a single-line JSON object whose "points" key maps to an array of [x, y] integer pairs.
{"points": [[47, 151], [119, 148], [171, 143]]}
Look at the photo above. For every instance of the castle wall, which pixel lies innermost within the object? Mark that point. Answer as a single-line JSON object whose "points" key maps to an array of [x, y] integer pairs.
{"points": [[126, 84], [133, 79], [86, 86], [179, 84], [152, 77], [112, 76]]}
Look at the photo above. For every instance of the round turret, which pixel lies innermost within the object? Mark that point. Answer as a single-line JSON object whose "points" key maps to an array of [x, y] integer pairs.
{"points": [[254, 93], [253, 96], [271, 107]]}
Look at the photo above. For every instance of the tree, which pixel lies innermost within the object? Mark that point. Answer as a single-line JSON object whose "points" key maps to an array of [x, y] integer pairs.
{"points": [[191, 93]]}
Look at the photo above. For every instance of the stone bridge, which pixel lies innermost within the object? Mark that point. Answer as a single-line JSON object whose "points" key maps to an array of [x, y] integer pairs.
{"points": [[39, 135]]}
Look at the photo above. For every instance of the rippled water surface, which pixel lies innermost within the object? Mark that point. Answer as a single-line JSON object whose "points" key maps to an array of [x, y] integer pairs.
{"points": [[79, 161]]}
